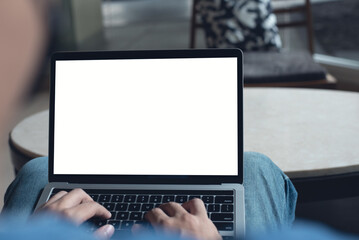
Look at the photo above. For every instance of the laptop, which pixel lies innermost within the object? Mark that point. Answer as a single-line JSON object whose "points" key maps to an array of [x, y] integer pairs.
{"points": [[136, 129]]}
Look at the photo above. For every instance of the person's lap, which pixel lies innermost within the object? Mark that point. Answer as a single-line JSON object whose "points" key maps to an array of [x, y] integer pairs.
{"points": [[270, 197]]}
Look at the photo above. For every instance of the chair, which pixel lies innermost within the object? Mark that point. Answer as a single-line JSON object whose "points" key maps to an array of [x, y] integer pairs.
{"points": [[281, 7], [283, 69]]}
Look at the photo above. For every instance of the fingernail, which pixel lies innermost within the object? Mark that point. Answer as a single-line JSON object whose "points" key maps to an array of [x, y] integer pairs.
{"points": [[108, 230]]}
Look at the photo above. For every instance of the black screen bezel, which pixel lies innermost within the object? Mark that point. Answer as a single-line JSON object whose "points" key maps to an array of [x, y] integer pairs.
{"points": [[153, 179]]}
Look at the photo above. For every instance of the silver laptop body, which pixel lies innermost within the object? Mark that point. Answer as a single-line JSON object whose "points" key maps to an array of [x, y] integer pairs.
{"points": [[153, 121]]}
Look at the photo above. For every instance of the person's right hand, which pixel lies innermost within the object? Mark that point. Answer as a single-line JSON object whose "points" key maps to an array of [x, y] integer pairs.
{"points": [[188, 220], [78, 207]]}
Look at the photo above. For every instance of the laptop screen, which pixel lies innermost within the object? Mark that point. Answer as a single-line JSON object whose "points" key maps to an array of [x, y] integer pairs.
{"points": [[176, 116]]}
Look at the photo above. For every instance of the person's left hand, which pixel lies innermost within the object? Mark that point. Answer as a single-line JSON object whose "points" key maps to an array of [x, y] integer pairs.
{"points": [[78, 207], [189, 220]]}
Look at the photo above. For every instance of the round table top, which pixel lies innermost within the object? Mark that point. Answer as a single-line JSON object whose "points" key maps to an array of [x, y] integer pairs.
{"points": [[31, 135], [306, 132]]}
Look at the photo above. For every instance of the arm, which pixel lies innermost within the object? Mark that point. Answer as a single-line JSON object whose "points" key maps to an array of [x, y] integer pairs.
{"points": [[21, 46]]}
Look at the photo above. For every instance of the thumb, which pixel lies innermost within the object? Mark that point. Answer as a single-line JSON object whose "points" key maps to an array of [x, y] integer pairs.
{"points": [[105, 232]]}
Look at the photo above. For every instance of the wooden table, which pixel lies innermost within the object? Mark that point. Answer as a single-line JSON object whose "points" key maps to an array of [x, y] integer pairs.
{"points": [[312, 135]]}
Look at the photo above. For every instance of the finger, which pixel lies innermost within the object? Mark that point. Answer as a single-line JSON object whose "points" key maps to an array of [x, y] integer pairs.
{"points": [[85, 211], [195, 207], [56, 197], [137, 228], [173, 209], [105, 232], [156, 216], [74, 198]]}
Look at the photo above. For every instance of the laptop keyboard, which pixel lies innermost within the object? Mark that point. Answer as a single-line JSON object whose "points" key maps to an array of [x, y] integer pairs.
{"points": [[129, 206]]}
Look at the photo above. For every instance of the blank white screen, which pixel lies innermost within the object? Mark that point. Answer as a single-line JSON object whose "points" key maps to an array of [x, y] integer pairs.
{"points": [[146, 117]]}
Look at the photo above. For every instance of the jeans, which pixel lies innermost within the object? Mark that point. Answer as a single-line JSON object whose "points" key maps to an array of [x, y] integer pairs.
{"points": [[270, 197]]}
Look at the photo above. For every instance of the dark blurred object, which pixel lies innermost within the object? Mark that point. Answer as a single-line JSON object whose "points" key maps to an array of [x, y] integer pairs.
{"points": [[284, 69]]}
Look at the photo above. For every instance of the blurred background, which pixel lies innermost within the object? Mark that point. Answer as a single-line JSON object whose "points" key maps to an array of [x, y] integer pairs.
{"points": [[89, 25]]}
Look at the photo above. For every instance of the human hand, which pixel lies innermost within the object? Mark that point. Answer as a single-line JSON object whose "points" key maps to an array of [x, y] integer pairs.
{"points": [[78, 207], [188, 220]]}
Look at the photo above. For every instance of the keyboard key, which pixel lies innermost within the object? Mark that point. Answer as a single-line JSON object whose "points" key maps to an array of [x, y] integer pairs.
{"points": [[194, 196], [224, 199], [109, 206], [224, 226], [213, 208], [227, 238], [157, 205], [100, 223], [136, 216], [227, 208], [94, 197], [122, 216], [147, 207], [130, 198], [104, 198], [134, 207], [181, 199], [207, 199], [115, 224], [113, 215], [126, 225], [155, 199], [222, 216], [168, 199], [121, 207], [142, 199], [117, 198], [93, 220]]}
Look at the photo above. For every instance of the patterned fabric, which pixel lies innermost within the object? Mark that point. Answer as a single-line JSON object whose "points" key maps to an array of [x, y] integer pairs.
{"points": [[246, 24]]}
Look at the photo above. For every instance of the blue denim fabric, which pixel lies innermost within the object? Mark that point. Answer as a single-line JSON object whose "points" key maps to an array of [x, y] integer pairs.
{"points": [[22, 194], [270, 197]]}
